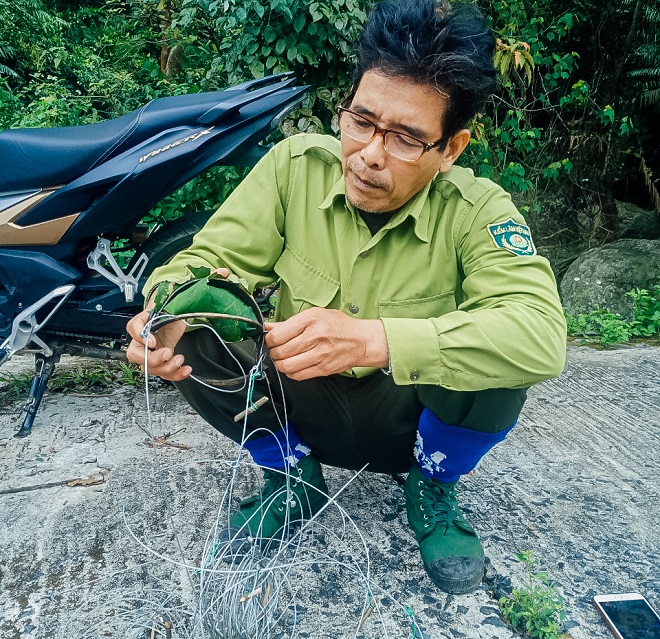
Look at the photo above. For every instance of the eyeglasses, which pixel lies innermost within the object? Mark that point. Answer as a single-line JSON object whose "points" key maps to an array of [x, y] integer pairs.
{"points": [[399, 145]]}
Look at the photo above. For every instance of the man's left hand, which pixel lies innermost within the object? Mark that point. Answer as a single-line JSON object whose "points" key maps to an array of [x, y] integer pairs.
{"points": [[321, 341]]}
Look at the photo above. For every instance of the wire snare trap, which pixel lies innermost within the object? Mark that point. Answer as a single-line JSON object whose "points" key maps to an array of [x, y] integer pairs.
{"points": [[314, 573]]}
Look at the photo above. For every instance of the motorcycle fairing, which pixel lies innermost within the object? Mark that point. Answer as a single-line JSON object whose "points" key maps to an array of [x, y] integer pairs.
{"points": [[25, 153], [63, 295], [117, 193], [19, 286], [14, 205]]}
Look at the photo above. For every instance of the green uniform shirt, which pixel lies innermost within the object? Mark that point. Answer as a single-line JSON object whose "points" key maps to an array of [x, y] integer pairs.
{"points": [[454, 277]]}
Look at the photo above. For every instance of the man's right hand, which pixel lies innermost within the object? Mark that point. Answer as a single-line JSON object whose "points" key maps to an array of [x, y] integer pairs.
{"points": [[161, 359]]}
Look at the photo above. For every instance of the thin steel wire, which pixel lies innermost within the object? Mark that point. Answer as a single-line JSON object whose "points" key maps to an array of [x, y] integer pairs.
{"points": [[255, 593]]}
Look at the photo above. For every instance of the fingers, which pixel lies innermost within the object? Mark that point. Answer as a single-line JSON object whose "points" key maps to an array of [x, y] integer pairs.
{"points": [[319, 342], [135, 327], [303, 346], [281, 346], [279, 333], [159, 358], [162, 362], [165, 364], [304, 366]]}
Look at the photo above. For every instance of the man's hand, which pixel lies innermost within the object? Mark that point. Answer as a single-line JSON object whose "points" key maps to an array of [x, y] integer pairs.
{"points": [[161, 360], [321, 341]]}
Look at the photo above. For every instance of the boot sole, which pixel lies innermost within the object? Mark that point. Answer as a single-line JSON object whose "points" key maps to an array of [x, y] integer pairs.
{"points": [[461, 585]]}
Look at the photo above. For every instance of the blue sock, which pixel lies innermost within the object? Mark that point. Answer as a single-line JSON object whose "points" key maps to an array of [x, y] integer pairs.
{"points": [[446, 452], [280, 449]]}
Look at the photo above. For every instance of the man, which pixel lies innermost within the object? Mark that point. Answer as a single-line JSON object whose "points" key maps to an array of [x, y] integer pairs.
{"points": [[391, 260]]}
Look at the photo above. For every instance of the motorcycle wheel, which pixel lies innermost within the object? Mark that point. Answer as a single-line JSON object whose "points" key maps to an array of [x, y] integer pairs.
{"points": [[167, 241], [178, 235]]}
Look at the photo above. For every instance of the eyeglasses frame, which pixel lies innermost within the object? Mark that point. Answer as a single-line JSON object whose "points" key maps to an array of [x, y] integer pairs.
{"points": [[378, 130]]}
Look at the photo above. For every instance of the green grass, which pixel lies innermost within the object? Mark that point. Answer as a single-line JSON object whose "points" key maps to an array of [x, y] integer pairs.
{"points": [[536, 610], [80, 378]]}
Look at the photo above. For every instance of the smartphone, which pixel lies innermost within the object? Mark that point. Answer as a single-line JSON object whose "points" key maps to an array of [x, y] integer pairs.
{"points": [[629, 616]]}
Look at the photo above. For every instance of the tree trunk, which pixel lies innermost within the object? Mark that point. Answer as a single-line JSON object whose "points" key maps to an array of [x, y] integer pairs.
{"points": [[624, 52], [165, 12], [173, 65]]}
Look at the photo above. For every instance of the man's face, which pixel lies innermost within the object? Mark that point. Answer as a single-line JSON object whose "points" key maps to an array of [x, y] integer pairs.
{"points": [[377, 182]]}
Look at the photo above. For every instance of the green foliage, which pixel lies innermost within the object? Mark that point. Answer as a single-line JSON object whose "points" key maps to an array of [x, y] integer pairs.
{"points": [[14, 387], [599, 326], [602, 327], [85, 63], [253, 38], [6, 52], [569, 126], [53, 103], [554, 169], [27, 28], [645, 75], [536, 610], [575, 111], [8, 103], [514, 139], [533, 77], [204, 193], [646, 311], [80, 378]]}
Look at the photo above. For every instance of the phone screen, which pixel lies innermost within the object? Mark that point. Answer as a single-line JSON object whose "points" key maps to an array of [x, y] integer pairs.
{"points": [[633, 618]]}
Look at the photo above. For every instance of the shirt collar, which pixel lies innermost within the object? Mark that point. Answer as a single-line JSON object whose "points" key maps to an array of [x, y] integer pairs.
{"points": [[337, 190], [417, 207]]}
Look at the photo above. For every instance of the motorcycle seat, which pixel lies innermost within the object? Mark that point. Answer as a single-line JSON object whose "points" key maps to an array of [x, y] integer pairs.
{"points": [[43, 158]]}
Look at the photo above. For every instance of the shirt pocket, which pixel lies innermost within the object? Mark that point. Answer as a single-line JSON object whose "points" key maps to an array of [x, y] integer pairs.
{"points": [[302, 286], [419, 307]]}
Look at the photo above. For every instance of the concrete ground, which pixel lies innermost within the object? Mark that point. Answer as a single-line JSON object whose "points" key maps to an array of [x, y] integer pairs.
{"points": [[576, 483]]}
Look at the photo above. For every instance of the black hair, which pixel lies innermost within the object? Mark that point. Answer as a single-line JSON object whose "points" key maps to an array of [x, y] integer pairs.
{"points": [[432, 42]]}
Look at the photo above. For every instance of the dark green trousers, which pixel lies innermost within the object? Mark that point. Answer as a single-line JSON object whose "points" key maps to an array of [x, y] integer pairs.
{"points": [[347, 422]]}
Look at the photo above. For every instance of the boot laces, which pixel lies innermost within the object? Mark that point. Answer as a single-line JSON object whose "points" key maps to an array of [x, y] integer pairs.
{"points": [[275, 487], [438, 502]]}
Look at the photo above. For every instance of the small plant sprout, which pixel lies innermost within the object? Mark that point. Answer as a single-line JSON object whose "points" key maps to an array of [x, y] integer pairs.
{"points": [[536, 610]]}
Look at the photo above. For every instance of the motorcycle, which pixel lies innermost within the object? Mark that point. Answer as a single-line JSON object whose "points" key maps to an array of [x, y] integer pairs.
{"points": [[68, 194]]}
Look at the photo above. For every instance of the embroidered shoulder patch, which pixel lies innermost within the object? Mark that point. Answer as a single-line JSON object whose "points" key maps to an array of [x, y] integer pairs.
{"points": [[513, 237]]}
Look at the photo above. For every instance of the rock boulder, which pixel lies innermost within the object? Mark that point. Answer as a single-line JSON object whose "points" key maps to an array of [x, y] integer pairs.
{"points": [[601, 277], [636, 222]]}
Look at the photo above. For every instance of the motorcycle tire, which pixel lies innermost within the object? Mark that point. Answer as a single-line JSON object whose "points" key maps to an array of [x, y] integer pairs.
{"points": [[178, 235], [167, 241]]}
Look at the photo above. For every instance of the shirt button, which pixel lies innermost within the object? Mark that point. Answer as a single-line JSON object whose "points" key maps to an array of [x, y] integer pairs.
{"points": [[354, 308], [364, 254], [414, 376]]}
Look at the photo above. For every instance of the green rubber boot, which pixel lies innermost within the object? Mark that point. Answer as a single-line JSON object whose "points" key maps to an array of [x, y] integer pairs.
{"points": [[451, 551], [269, 514]]}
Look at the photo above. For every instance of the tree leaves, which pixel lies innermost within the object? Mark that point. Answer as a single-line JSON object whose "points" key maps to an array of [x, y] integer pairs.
{"points": [[314, 38], [513, 56]]}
